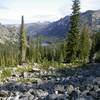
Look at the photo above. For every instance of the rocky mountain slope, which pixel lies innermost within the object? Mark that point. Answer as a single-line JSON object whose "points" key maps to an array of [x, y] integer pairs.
{"points": [[52, 31], [8, 34], [60, 28], [35, 28]]}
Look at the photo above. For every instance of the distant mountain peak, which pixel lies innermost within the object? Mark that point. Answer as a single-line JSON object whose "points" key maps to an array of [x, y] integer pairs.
{"points": [[52, 31]]}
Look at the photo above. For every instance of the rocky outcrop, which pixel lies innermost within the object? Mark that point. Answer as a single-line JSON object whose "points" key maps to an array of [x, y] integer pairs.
{"points": [[8, 35], [59, 29]]}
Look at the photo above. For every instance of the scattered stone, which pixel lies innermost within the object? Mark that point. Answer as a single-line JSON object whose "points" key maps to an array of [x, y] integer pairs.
{"points": [[47, 85]]}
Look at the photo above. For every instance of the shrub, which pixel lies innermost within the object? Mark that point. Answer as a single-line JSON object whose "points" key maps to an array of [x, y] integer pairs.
{"points": [[97, 58]]}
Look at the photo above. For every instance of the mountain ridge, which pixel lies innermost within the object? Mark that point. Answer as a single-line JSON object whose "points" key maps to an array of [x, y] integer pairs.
{"points": [[61, 27], [51, 30]]}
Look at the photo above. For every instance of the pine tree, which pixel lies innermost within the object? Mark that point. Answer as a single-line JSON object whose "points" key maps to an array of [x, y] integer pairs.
{"points": [[95, 50], [85, 44], [63, 48], [97, 41], [23, 43], [74, 33]]}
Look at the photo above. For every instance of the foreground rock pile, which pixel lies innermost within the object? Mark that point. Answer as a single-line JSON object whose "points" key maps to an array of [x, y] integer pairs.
{"points": [[54, 84]]}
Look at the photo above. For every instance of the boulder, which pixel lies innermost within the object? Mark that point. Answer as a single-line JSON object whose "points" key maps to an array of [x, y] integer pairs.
{"points": [[73, 95], [41, 93], [56, 97], [25, 74], [4, 93], [70, 88], [81, 98], [60, 89], [97, 79], [98, 94]]}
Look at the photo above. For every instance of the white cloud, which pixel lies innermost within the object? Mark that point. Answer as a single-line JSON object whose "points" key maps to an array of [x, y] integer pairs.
{"points": [[90, 5], [40, 10]]}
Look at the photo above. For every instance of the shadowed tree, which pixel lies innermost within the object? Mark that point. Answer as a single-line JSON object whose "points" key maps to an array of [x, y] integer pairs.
{"points": [[95, 49], [85, 44], [74, 33]]}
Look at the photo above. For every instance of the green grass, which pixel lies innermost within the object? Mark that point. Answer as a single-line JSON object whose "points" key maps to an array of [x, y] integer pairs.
{"points": [[24, 69], [5, 74]]}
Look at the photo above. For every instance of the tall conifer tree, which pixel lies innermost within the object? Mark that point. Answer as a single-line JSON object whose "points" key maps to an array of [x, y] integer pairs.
{"points": [[85, 44], [74, 33]]}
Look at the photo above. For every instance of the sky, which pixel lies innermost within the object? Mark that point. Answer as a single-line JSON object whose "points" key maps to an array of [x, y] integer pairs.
{"points": [[40, 10]]}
